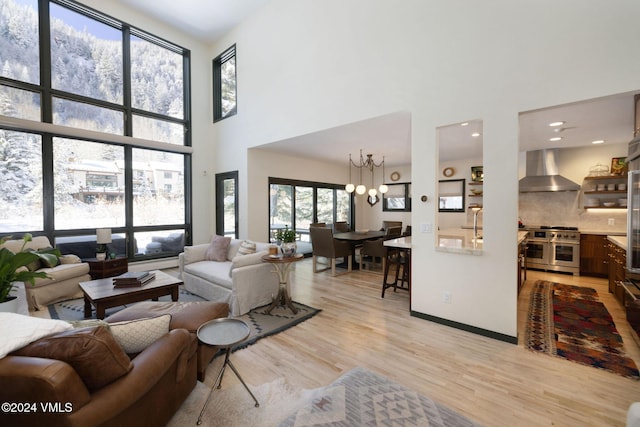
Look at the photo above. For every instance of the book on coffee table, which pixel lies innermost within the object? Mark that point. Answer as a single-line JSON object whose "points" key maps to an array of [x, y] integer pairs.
{"points": [[133, 279]]}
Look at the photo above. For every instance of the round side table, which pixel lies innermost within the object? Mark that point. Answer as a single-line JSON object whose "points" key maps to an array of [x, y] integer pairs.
{"points": [[225, 333], [281, 266]]}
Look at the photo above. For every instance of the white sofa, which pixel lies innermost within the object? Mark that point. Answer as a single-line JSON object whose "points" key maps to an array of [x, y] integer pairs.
{"points": [[63, 280], [242, 281]]}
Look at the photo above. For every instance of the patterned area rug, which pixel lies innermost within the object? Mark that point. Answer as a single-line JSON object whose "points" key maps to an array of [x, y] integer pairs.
{"points": [[570, 322], [363, 398], [261, 324]]}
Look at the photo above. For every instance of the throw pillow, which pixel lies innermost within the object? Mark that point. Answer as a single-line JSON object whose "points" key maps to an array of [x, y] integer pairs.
{"points": [[18, 330], [247, 247], [34, 265], [217, 250], [49, 257], [244, 260], [92, 352], [136, 335], [70, 259]]}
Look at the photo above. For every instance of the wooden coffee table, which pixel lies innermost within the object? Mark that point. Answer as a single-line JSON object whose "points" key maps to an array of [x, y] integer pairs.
{"points": [[101, 293]]}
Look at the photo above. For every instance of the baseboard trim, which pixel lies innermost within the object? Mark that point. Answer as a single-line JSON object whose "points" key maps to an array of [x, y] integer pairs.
{"points": [[468, 328]]}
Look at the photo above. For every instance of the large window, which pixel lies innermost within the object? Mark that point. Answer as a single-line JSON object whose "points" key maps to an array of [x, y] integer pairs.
{"points": [[297, 204], [102, 137], [224, 85]]}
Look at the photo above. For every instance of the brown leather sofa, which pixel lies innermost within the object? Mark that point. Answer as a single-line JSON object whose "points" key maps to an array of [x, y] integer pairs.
{"points": [[49, 392]]}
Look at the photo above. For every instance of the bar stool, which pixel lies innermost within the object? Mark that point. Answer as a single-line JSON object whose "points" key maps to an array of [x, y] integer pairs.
{"points": [[401, 259]]}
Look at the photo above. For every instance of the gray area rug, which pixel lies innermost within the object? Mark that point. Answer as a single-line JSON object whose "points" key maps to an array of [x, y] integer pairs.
{"points": [[363, 398], [262, 324], [74, 309]]}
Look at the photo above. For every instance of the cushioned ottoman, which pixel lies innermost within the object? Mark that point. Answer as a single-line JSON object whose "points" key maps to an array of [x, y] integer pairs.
{"points": [[184, 315]]}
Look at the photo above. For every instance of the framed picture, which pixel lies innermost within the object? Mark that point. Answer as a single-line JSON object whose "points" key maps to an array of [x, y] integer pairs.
{"points": [[619, 166], [477, 175]]}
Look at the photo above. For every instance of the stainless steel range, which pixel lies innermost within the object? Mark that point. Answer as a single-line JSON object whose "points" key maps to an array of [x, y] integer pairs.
{"points": [[554, 248]]}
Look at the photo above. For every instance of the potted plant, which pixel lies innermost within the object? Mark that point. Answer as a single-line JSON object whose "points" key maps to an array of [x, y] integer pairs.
{"points": [[11, 271], [287, 240]]}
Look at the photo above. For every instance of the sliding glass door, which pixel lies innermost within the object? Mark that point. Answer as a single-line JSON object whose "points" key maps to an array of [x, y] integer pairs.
{"points": [[297, 204]]}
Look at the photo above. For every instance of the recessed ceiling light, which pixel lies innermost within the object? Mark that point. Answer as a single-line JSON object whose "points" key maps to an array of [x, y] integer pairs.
{"points": [[599, 141], [475, 134], [556, 124], [464, 124], [555, 138]]}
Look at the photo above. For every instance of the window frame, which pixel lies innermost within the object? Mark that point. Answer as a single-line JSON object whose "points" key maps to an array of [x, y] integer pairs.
{"points": [[405, 190], [316, 186], [48, 130], [218, 62], [451, 185], [220, 203]]}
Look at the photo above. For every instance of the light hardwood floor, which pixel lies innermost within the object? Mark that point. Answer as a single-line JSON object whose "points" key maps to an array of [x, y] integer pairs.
{"points": [[492, 382]]}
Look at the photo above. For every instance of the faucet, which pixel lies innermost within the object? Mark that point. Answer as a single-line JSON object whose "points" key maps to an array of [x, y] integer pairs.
{"points": [[476, 211]]}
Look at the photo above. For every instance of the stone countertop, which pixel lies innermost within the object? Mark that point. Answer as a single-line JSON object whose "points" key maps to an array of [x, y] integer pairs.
{"points": [[620, 241], [459, 241], [400, 242], [522, 235], [603, 232]]}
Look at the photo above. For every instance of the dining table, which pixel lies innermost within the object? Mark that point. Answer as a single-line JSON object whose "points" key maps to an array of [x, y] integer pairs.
{"points": [[355, 238]]}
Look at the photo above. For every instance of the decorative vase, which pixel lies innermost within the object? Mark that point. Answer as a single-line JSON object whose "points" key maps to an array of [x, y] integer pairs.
{"points": [[288, 249], [10, 305]]}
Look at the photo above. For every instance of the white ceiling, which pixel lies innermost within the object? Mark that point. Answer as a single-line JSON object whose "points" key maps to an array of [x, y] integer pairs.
{"points": [[206, 20], [610, 119]]}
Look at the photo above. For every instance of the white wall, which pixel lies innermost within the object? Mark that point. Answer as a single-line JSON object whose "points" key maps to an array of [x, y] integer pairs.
{"points": [[305, 66], [264, 164], [372, 216]]}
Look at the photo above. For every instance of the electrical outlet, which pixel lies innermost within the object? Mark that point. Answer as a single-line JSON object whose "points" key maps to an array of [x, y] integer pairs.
{"points": [[611, 221], [426, 227], [446, 297]]}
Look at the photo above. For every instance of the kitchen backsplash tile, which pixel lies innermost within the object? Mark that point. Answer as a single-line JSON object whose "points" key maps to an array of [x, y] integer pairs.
{"points": [[565, 208]]}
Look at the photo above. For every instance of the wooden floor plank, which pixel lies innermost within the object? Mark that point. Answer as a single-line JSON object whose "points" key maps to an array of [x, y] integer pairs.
{"points": [[492, 382]]}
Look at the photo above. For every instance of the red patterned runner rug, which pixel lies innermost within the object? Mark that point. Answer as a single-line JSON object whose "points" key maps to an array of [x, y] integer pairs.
{"points": [[570, 322]]}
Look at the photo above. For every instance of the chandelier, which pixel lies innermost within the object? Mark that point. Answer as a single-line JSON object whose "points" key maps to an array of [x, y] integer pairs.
{"points": [[370, 165]]}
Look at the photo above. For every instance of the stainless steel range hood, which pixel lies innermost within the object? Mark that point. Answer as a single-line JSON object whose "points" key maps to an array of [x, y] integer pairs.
{"points": [[542, 174]]}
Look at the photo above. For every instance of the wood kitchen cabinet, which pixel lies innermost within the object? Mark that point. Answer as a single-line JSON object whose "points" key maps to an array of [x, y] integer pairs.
{"points": [[617, 270], [594, 256]]}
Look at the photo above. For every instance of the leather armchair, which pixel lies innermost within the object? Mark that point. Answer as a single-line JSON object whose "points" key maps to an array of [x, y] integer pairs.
{"points": [[162, 376]]}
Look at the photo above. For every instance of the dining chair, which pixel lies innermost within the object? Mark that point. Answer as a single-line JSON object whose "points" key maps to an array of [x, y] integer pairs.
{"points": [[393, 232], [325, 246], [388, 224], [371, 251], [340, 227]]}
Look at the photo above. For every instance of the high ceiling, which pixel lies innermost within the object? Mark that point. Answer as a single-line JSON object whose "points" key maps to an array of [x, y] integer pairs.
{"points": [[206, 20], [610, 119]]}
